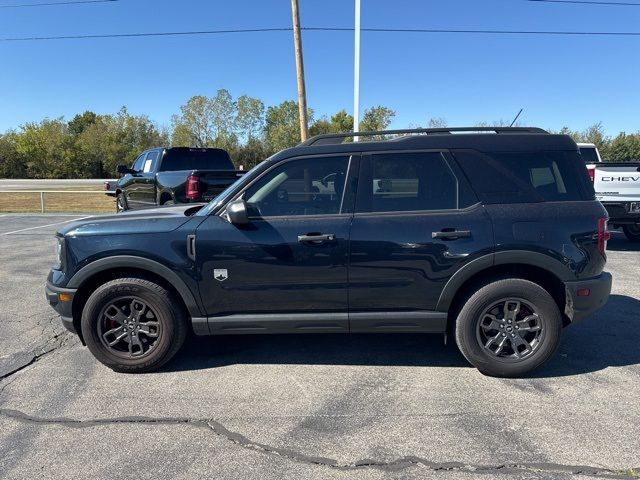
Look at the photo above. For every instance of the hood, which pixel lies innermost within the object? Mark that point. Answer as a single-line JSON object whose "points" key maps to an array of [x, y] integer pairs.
{"points": [[152, 220]]}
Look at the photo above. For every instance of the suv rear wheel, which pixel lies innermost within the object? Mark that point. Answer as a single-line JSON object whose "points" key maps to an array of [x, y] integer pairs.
{"points": [[632, 232], [133, 325], [508, 327]]}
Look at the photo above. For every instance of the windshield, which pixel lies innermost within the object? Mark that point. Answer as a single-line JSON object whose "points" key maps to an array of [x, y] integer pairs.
{"points": [[233, 188]]}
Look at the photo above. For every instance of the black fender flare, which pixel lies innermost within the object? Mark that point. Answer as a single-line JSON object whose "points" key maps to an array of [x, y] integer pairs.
{"points": [[477, 265], [142, 263]]}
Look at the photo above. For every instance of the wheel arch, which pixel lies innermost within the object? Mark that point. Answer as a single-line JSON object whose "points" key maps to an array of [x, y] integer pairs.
{"points": [[88, 278], [541, 269], [164, 196]]}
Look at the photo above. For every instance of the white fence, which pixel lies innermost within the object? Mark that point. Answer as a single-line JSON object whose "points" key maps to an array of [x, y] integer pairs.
{"points": [[43, 192]]}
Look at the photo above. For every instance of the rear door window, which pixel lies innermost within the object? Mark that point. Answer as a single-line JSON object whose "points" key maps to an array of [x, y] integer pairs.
{"points": [[150, 161], [409, 182], [524, 177]]}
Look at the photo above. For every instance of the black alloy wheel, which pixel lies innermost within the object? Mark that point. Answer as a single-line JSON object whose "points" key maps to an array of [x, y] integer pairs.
{"points": [[510, 329]]}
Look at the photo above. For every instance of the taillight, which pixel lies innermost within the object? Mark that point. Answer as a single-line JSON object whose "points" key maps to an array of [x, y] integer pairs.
{"points": [[592, 174], [604, 235], [193, 187]]}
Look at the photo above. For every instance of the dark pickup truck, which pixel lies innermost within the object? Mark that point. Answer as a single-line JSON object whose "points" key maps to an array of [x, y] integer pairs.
{"points": [[166, 176]]}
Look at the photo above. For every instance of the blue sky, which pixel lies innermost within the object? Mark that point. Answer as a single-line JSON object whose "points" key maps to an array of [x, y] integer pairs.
{"points": [[573, 81]]}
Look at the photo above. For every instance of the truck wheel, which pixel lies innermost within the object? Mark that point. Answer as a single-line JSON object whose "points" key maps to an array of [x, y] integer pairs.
{"points": [[133, 325], [508, 327], [168, 202], [121, 203], [632, 232]]}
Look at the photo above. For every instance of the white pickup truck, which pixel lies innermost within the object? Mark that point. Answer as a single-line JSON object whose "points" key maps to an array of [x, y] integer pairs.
{"points": [[617, 186]]}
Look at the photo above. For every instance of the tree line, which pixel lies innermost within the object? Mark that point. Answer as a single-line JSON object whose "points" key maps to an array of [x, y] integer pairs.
{"points": [[90, 145]]}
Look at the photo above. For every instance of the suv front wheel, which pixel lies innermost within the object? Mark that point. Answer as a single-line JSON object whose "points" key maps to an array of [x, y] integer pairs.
{"points": [[508, 327], [133, 325]]}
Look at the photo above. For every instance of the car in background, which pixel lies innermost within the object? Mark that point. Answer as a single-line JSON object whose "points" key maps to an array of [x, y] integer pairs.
{"points": [[167, 176], [617, 186]]}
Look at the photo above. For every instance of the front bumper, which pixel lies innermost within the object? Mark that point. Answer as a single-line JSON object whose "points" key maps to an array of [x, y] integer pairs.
{"points": [[580, 307], [620, 213], [64, 308]]}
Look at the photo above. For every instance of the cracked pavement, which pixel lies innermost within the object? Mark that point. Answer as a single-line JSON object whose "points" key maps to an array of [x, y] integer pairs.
{"points": [[325, 406]]}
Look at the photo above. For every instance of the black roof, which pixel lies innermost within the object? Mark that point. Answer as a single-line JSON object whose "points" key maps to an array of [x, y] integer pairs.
{"points": [[492, 139]]}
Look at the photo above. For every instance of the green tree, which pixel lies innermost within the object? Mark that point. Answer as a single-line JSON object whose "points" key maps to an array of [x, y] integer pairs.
{"points": [[209, 122], [376, 118], [250, 117], [195, 121], [282, 126], [81, 121], [340, 122], [11, 163], [45, 147], [320, 126], [593, 134], [251, 153], [125, 136], [624, 148], [437, 122]]}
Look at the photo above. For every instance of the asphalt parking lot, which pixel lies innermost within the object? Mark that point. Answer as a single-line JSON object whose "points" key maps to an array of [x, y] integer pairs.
{"points": [[365, 406]]}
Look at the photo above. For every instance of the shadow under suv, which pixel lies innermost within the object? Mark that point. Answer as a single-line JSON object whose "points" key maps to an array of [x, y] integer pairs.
{"points": [[491, 235]]}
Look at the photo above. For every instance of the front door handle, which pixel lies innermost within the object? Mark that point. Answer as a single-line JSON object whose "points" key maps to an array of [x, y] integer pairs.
{"points": [[317, 238], [451, 234]]}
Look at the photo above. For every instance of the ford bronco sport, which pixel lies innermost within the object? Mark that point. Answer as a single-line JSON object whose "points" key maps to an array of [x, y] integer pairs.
{"points": [[491, 235]]}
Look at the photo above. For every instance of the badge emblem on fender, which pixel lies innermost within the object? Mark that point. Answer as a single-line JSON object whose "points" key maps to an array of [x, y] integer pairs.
{"points": [[220, 274]]}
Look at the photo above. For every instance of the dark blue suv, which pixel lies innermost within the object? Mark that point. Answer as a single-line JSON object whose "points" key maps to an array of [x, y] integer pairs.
{"points": [[493, 236]]}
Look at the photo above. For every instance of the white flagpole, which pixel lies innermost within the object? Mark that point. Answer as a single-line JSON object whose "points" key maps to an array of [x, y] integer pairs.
{"points": [[356, 72]]}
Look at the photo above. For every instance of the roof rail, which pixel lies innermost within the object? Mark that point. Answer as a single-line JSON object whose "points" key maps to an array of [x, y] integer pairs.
{"points": [[330, 138]]}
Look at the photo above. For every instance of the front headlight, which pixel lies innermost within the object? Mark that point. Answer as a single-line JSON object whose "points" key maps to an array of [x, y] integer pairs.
{"points": [[60, 252]]}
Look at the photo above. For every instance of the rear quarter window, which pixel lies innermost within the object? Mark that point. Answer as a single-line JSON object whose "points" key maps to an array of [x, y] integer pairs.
{"points": [[526, 177]]}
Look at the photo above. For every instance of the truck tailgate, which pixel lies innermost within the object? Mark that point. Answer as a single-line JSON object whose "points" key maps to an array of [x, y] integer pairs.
{"points": [[618, 182], [214, 182]]}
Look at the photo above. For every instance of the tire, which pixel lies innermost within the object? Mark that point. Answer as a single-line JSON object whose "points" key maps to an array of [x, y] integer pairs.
{"points": [[121, 203], [632, 232], [117, 307], [517, 346], [168, 202]]}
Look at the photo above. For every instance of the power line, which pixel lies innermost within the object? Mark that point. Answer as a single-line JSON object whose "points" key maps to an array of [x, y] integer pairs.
{"points": [[585, 2], [323, 29], [50, 4], [149, 34]]}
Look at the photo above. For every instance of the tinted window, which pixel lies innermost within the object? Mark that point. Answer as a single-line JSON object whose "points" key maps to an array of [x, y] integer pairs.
{"points": [[589, 154], [404, 182], [521, 177], [196, 159], [310, 186], [139, 163]]}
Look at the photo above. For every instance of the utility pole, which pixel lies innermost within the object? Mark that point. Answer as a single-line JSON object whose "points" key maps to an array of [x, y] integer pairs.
{"points": [[356, 72], [302, 94]]}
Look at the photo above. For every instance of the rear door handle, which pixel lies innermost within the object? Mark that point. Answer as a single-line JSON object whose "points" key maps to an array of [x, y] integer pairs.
{"points": [[317, 238], [451, 234]]}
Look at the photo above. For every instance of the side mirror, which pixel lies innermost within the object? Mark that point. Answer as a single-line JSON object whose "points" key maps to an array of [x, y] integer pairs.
{"points": [[237, 212], [123, 170]]}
